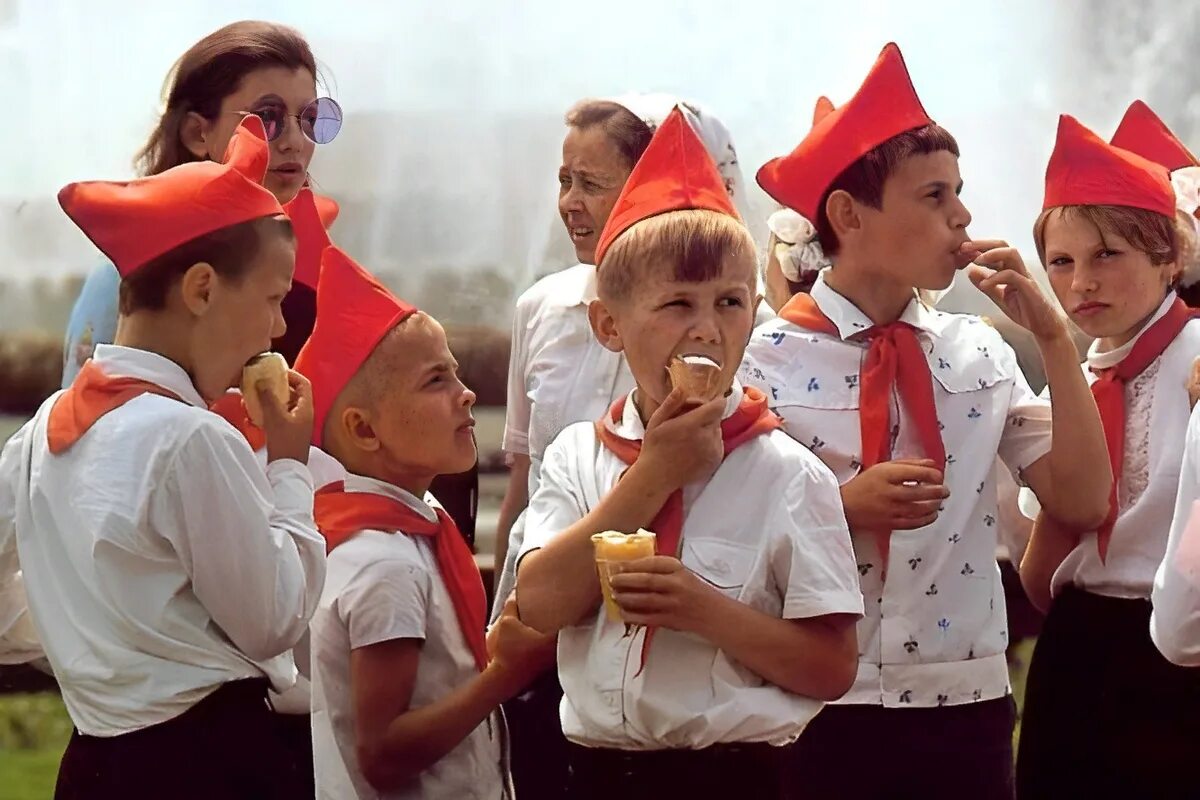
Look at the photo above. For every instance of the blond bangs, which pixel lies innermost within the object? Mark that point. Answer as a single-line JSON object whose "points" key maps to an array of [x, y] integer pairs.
{"points": [[693, 244]]}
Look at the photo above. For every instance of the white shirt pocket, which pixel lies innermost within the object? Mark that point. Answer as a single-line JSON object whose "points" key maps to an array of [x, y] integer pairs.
{"points": [[725, 565]]}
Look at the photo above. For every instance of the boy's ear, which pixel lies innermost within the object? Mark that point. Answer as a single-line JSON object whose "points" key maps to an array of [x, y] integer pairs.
{"points": [[196, 287], [843, 214], [357, 430], [604, 325]]}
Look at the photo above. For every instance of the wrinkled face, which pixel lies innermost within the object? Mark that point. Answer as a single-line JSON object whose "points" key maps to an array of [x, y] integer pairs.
{"points": [[1106, 286], [236, 319], [664, 317], [921, 224], [422, 422], [275, 87], [590, 180]]}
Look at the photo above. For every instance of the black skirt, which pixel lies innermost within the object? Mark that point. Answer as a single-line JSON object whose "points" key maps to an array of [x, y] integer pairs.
{"points": [[227, 746], [1105, 714]]}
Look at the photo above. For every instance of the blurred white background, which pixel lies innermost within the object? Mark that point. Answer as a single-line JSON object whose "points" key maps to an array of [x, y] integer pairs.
{"points": [[445, 167]]}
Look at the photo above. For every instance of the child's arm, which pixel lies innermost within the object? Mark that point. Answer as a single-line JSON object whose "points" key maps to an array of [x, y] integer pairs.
{"points": [[1049, 544], [1073, 480], [516, 498], [517, 412], [557, 583], [816, 657], [247, 539], [396, 742]]}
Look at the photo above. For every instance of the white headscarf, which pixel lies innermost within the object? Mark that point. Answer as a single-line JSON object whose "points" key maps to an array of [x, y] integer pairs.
{"points": [[1186, 183], [653, 107]]}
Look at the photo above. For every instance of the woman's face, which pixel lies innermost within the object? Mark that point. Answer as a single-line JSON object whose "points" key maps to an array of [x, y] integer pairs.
{"points": [[590, 180], [281, 88]]}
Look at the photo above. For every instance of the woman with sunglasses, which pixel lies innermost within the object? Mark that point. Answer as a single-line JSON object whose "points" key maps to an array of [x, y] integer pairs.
{"points": [[248, 67]]}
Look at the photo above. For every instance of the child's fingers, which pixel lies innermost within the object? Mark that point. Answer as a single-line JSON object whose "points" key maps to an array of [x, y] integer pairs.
{"points": [[636, 582], [669, 407], [660, 565]]}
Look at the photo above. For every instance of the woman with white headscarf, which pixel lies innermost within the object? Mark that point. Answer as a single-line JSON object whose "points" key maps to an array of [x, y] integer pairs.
{"points": [[559, 374]]}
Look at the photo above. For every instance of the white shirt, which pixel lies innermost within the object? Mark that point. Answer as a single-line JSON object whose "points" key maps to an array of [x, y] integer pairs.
{"points": [[159, 559], [936, 632], [1153, 452], [382, 586], [1175, 620], [768, 528]]}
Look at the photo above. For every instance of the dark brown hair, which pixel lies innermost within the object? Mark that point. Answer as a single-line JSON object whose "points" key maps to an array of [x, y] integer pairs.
{"points": [[626, 130], [864, 179], [229, 251], [1146, 231], [693, 243], [211, 70]]}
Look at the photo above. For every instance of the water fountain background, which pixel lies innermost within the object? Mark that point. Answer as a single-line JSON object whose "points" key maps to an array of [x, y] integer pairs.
{"points": [[445, 169]]}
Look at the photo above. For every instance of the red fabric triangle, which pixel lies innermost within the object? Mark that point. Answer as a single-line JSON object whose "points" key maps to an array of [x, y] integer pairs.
{"points": [[1142, 131], [823, 109], [676, 172], [1086, 170], [752, 418], [895, 361], [885, 106], [89, 397], [341, 514], [354, 312], [133, 222], [311, 217], [231, 408]]}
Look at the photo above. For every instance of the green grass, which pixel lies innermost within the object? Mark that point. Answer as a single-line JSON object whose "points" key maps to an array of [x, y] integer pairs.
{"points": [[29, 774], [34, 729], [1018, 668]]}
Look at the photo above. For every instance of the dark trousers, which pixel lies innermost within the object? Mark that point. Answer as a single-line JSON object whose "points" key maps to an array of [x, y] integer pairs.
{"points": [[296, 732], [227, 746], [1105, 714], [721, 772], [860, 752], [538, 749]]}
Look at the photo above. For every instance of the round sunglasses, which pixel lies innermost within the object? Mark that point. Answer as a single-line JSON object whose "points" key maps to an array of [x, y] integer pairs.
{"points": [[320, 120]]}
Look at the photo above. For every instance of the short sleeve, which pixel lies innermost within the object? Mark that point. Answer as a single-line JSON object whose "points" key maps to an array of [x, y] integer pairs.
{"points": [[558, 502], [387, 599], [1028, 427], [814, 560], [518, 410], [93, 319]]}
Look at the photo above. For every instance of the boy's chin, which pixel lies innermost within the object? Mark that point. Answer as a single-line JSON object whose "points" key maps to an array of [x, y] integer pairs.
{"points": [[463, 459]]}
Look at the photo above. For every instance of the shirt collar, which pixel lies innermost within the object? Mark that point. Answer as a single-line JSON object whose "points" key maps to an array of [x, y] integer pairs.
{"points": [[849, 320], [630, 425], [130, 362], [577, 286], [367, 485]]}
